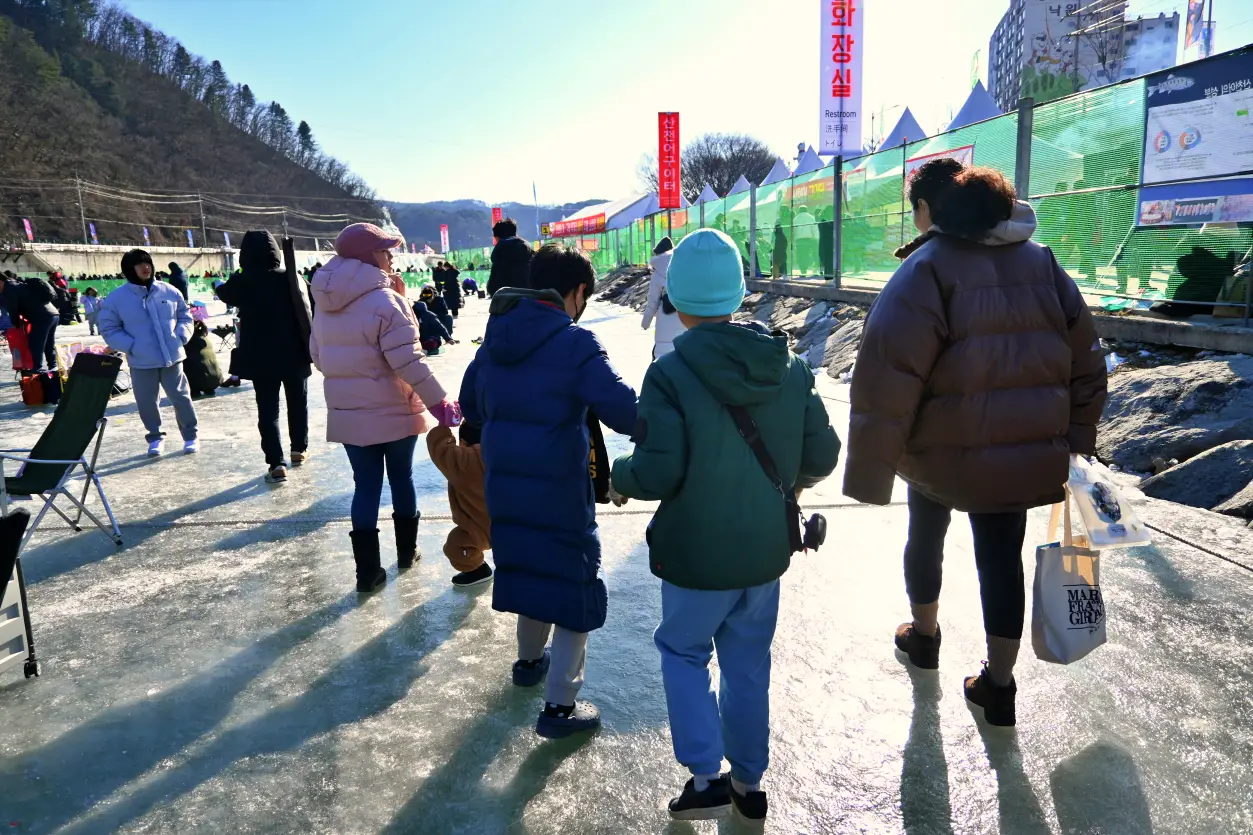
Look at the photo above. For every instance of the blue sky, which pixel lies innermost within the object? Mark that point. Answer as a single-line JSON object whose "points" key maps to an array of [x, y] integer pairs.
{"points": [[478, 98]]}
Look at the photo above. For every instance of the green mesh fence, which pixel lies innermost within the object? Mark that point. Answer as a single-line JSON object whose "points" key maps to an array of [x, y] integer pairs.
{"points": [[1086, 152]]}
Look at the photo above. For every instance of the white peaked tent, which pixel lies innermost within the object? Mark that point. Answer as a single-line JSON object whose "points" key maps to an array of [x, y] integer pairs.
{"points": [[907, 129], [777, 174], [979, 107], [707, 194], [742, 184], [809, 161]]}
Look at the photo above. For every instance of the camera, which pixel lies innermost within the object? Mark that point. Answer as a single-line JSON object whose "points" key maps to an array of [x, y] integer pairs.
{"points": [[814, 532]]}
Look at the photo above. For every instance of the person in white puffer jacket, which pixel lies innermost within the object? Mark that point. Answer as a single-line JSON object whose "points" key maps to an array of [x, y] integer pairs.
{"points": [[659, 308]]}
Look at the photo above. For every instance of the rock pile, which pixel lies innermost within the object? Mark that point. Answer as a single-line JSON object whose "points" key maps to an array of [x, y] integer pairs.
{"points": [[825, 333]]}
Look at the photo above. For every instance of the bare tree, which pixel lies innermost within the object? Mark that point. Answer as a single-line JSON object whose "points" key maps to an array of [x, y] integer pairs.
{"points": [[717, 159], [1098, 43]]}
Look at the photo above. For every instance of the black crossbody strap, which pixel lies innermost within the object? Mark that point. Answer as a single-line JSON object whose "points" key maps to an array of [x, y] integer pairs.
{"points": [[752, 436], [791, 507]]}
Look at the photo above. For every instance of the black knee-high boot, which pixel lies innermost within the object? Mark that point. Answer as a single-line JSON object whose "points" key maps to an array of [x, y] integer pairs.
{"points": [[365, 553], [406, 540]]}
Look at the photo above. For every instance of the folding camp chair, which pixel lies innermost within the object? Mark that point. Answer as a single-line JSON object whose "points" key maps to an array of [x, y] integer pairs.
{"points": [[17, 639], [48, 469]]}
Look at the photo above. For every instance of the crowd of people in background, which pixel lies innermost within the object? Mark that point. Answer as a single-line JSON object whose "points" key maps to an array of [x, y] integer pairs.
{"points": [[979, 374]]}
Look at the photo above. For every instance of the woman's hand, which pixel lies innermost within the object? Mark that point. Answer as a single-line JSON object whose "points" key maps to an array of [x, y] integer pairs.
{"points": [[398, 283], [447, 412]]}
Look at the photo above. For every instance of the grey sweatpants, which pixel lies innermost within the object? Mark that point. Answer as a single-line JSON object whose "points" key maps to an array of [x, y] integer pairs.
{"points": [[569, 653], [147, 384]]}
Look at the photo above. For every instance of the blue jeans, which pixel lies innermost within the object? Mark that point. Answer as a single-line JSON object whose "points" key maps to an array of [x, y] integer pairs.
{"points": [[736, 722], [368, 464]]}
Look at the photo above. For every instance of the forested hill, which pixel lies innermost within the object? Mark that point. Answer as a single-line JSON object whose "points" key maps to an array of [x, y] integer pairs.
{"points": [[87, 91], [470, 221]]}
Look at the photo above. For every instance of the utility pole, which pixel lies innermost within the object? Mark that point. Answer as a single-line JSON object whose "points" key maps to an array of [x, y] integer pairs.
{"points": [[82, 215], [204, 232], [1209, 32]]}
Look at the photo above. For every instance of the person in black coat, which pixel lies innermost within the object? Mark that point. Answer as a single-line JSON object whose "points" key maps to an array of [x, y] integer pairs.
{"points": [[272, 353], [438, 305], [431, 331], [31, 301], [511, 258], [451, 289], [178, 279]]}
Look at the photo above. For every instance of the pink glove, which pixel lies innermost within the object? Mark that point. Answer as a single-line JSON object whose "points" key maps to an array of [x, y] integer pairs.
{"points": [[447, 412]]}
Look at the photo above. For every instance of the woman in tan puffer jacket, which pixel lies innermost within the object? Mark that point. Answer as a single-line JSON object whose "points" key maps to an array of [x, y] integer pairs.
{"points": [[979, 374]]}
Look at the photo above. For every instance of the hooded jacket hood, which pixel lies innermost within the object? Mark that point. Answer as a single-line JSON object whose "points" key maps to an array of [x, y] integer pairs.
{"points": [[1020, 227], [741, 364], [521, 321], [344, 280], [420, 308], [260, 252], [512, 250]]}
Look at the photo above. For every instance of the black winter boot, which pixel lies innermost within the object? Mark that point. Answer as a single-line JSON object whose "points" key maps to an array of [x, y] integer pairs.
{"points": [[365, 553], [406, 540]]}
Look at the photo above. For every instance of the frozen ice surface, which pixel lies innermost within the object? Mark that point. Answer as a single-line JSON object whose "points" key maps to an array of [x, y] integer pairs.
{"points": [[218, 674]]}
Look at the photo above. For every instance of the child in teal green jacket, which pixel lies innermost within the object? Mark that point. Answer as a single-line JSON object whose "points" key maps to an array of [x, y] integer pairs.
{"points": [[719, 541]]}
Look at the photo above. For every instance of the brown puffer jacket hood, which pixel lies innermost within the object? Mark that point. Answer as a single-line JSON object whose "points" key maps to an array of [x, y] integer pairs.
{"points": [[979, 374]]}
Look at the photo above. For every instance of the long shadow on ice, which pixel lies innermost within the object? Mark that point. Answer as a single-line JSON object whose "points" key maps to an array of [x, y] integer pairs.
{"points": [[452, 797], [363, 684], [1099, 790], [65, 554], [49, 787], [1020, 812], [925, 805]]}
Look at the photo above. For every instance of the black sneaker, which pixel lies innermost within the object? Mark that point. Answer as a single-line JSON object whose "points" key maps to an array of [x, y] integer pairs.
{"points": [[482, 574], [997, 702], [531, 673], [559, 722], [751, 807], [923, 651], [714, 802]]}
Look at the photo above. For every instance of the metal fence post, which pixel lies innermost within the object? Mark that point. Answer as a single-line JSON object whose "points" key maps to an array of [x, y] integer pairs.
{"points": [[837, 232], [1022, 156], [904, 182], [753, 270]]}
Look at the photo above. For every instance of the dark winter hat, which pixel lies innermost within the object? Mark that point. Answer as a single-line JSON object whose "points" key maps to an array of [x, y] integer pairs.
{"points": [[420, 307], [133, 259], [8, 275], [469, 434], [664, 245], [361, 240]]}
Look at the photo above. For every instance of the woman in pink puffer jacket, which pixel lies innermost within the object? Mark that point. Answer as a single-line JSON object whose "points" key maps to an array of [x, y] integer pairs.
{"points": [[380, 394]]}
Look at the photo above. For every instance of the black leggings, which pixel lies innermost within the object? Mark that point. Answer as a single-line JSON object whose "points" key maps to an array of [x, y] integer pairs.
{"points": [[998, 557]]}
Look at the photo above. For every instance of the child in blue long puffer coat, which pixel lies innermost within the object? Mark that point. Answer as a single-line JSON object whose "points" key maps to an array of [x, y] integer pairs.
{"points": [[529, 388]]}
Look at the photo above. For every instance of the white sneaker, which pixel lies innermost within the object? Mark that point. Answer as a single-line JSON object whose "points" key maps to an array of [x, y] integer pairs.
{"points": [[155, 448], [191, 447]]}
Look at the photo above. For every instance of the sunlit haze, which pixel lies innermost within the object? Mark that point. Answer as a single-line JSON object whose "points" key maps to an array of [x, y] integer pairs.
{"points": [[480, 98]]}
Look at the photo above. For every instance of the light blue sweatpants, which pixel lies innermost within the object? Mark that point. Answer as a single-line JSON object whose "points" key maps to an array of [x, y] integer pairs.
{"points": [[736, 722]]}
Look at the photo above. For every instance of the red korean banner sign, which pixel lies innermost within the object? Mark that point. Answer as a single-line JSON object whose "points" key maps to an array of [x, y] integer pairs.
{"points": [[498, 214], [443, 237], [593, 225], [669, 192], [840, 89], [30, 233]]}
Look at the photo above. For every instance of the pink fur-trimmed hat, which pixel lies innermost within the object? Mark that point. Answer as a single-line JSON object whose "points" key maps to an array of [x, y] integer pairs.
{"points": [[361, 240]]}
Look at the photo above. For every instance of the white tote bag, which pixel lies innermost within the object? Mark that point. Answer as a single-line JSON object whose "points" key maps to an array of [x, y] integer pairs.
{"points": [[1068, 609]]}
